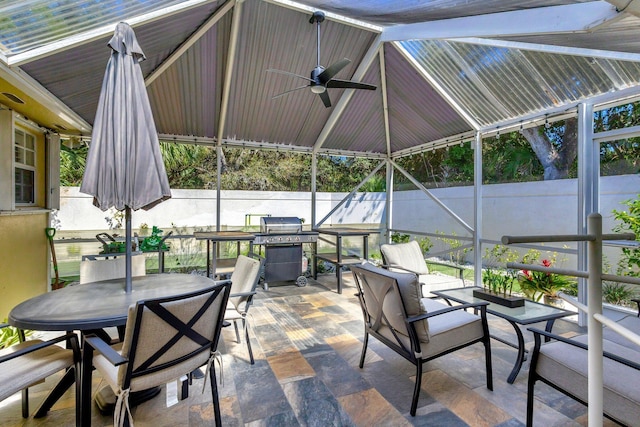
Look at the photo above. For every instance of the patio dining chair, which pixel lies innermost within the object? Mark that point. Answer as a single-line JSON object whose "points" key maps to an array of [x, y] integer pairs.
{"points": [[418, 329], [112, 268], [244, 281], [408, 257], [29, 362], [165, 339], [107, 269]]}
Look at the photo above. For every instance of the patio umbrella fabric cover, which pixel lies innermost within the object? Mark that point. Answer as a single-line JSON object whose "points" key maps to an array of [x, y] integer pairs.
{"points": [[124, 165]]}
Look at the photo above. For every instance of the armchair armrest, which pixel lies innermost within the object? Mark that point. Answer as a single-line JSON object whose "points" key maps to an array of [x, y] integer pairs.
{"points": [[72, 337], [446, 264], [481, 305], [243, 294], [105, 349], [537, 333], [389, 267]]}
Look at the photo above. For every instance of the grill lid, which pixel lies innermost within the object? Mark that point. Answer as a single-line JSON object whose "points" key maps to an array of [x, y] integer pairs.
{"points": [[280, 224]]}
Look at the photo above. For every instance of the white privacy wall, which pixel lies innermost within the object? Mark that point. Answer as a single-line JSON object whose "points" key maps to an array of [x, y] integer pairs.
{"points": [[545, 207], [525, 208], [197, 208]]}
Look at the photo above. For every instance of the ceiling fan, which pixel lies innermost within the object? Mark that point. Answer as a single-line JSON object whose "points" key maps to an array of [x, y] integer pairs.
{"points": [[323, 78]]}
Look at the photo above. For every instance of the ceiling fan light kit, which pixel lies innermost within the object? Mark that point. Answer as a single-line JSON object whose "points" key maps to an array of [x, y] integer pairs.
{"points": [[322, 78]]}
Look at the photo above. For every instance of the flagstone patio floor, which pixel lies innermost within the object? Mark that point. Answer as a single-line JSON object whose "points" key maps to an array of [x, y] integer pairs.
{"points": [[307, 343]]}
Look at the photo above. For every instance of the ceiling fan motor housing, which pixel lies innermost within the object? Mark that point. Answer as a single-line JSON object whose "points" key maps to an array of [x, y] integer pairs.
{"points": [[316, 85], [318, 16]]}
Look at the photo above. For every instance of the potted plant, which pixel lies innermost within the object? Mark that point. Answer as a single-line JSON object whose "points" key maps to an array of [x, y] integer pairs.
{"points": [[537, 285], [497, 288], [497, 283]]}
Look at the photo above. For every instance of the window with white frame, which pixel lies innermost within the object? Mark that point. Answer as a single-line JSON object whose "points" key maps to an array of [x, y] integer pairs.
{"points": [[24, 167]]}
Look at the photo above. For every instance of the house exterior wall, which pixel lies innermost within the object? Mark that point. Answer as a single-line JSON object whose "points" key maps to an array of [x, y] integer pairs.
{"points": [[24, 256], [24, 259]]}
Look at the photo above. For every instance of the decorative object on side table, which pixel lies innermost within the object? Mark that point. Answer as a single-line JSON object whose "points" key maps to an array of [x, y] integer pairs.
{"points": [[497, 286], [538, 285]]}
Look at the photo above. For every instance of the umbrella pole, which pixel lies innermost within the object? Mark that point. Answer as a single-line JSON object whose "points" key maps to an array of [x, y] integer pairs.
{"points": [[128, 274]]}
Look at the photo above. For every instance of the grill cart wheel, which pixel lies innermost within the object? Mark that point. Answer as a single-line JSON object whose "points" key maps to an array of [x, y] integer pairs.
{"points": [[301, 281]]}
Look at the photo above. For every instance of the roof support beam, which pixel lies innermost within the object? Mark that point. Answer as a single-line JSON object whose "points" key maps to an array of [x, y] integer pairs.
{"points": [[83, 38], [175, 55], [559, 50], [231, 61], [470, 120], [385, 105], [543, 20], [348, 93], [328, 15]]}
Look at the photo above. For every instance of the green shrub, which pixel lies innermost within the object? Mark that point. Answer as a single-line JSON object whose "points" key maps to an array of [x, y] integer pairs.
{"points": [[616, 293]]}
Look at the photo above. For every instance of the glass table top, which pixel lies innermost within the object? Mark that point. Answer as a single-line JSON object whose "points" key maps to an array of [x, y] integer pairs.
{"points": [[531, 312]]}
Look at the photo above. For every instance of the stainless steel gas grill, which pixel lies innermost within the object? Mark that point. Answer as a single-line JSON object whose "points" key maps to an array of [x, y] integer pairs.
{"points": [[282, 238]]}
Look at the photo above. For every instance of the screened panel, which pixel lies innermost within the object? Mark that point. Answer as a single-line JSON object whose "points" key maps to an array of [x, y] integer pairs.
{"points": [[496, 84], [29, 24]]}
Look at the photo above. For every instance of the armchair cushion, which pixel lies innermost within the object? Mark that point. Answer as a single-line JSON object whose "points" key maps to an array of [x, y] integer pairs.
{"points": [[407, 256], [448, 330], [566, 366], [410, 295], [27, 369]]}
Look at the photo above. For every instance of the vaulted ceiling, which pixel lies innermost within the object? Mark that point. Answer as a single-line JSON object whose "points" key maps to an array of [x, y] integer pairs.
{"points": [[444, 69]]}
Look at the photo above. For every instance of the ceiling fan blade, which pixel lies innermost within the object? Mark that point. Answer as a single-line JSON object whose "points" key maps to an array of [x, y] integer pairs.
{"points": [[286, 73], [325, 99], [346, 84], [288, 91], [332, 70]]}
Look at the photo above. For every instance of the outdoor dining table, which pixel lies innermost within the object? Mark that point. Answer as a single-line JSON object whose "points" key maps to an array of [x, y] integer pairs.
{"points": [[93, 306]]}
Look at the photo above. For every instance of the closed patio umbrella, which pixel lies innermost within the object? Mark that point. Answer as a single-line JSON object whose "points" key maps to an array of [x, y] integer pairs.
{"points": [[124, 167]]}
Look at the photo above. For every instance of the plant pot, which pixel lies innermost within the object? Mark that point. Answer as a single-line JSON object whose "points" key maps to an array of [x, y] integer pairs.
{"points": [[553, 300], [507, 301]]}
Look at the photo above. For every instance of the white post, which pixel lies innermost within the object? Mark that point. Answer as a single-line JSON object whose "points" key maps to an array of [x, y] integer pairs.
{"points": [[477, 209], [594, 332]]}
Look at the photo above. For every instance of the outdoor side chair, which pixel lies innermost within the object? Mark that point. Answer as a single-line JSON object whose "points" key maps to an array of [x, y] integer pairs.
{"points": [[244, 281], [165, 339], [418, 329], [408, 257], [29, 362]]}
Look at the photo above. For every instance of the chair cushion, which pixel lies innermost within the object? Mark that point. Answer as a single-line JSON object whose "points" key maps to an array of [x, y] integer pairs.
{"points": [[450, 330], [566, 366], [405, 255], [411, 296], [19, 373], [110, 373], [243, 280], [437, 282]]}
